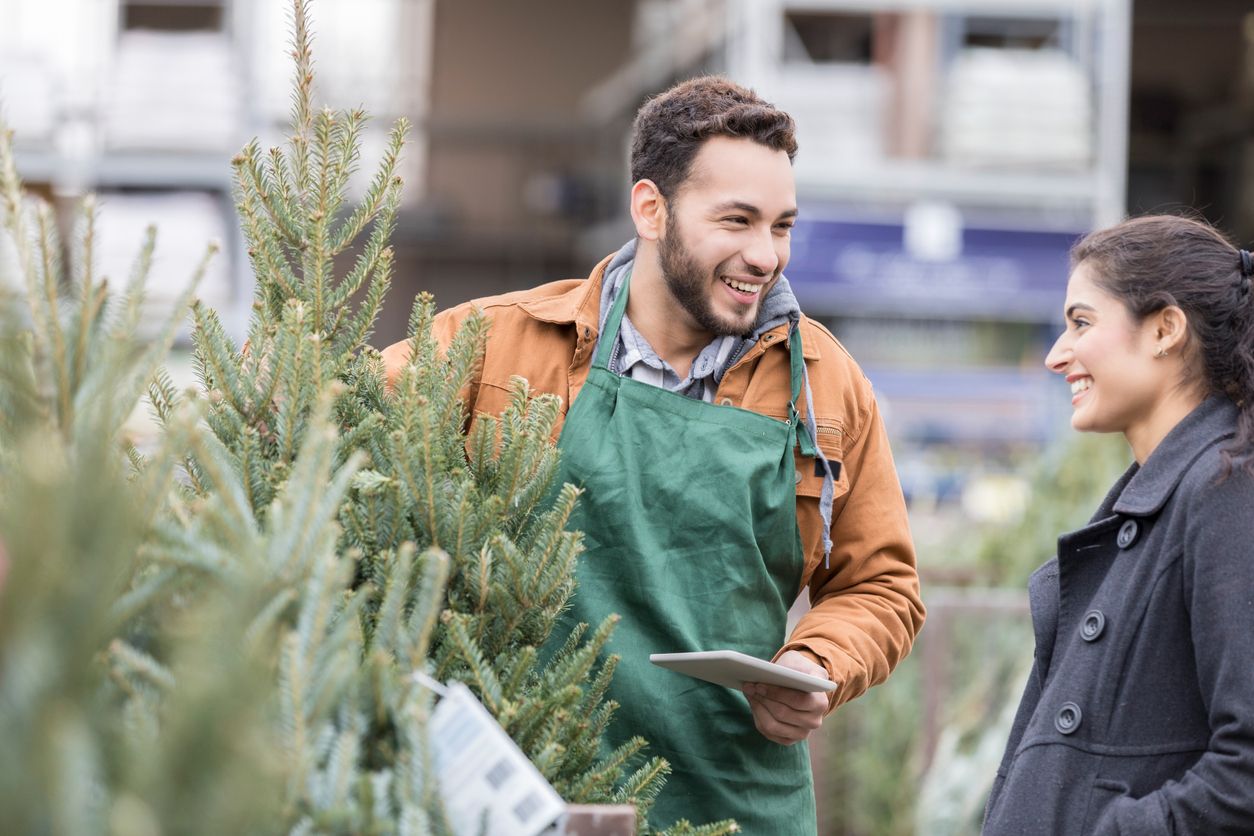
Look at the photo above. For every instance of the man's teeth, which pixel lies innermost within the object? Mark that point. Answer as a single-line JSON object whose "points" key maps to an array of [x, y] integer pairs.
{"points": [[1081, 385], [743, 287]]}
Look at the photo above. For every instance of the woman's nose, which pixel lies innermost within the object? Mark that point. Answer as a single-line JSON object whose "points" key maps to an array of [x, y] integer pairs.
{"points": [[1059, 356]]}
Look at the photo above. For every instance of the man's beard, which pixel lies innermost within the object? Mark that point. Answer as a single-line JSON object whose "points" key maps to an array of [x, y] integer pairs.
{"points": [[689, 283]]}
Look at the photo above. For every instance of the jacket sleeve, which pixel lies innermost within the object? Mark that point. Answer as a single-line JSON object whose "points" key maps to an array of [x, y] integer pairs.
{"points": [[866, 608], [1216, 796]]}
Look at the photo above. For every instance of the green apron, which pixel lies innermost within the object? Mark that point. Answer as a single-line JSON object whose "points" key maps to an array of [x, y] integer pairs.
{"points": [[689, 518]]}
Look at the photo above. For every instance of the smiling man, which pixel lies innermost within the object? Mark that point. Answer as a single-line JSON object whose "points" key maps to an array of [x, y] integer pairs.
{"points": [[731, 454]]}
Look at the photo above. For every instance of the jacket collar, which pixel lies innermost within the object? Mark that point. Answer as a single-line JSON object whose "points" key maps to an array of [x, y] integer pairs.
{"points": [[1149, 486], [580, 306]]}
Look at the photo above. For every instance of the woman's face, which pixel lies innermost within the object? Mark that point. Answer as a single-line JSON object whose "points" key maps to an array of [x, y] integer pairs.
{"points": [[1117, 384]]}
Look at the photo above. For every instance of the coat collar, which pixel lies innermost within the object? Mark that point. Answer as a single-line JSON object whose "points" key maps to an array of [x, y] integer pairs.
{"points": [[1147, 489], [581, 305]]}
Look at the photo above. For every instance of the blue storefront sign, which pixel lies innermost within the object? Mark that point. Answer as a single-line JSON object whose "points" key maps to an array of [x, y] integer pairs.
{"points": [[843, 268]]}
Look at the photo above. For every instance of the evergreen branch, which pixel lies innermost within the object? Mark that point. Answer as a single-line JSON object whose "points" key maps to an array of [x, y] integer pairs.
{"points": [[121, 396], [133, 661], [369, 261], [394, 595], [292, 712], [270, 195], [214, 460], [482, 677], [15, 220], [421, 344], [644, 784], [213, 347], [135, 600], [345, 152], [381, 186], [302, 95], [316, 263], [593, 783], [89, 321], [162, 396], [50, 262], [362, 324], [426, 607], [91, 299], [137, 460], [269, 371], [268, 617], [529, 721], [518, 673], [276, 281], [133, 296], [284, 191]]}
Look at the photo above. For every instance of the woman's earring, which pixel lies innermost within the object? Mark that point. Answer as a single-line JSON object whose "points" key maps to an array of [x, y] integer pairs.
{"points": [[1160, 353]]}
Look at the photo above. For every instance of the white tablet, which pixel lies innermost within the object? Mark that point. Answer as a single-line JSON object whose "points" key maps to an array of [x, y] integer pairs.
{"points": [[730, 668]]}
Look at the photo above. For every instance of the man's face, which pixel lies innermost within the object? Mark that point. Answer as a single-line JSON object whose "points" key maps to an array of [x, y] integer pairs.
{"points": [[727, 232]]}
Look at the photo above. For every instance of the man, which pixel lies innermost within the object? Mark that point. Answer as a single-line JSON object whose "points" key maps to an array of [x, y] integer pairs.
{"points": [[731, 453]]}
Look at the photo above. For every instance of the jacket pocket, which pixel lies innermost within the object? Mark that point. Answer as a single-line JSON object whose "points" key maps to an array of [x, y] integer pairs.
{"points": [[1105, 793], [810, 470]]}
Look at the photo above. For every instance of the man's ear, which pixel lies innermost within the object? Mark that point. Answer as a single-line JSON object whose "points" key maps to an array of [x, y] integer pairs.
{"points": [[1171, 329], [648, 210]]}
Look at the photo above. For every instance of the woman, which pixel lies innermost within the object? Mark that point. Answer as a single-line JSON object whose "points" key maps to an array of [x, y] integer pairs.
{"points": [[1138, 717]]}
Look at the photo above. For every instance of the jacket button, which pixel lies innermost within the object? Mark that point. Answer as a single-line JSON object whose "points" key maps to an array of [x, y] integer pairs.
{"points": [[798, 477], [1068, 718], [1093, 625], [725, 402], [1127, 534]]}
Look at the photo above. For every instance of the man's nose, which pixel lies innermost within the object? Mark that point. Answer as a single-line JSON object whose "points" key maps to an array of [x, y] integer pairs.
{"points": [[761, 256]]}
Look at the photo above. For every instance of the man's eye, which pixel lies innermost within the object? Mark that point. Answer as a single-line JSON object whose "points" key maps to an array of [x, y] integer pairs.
{"points": [[735, 219]]}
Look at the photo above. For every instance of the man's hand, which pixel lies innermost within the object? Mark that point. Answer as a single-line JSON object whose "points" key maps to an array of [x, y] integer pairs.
{"points": [[785, 715]]}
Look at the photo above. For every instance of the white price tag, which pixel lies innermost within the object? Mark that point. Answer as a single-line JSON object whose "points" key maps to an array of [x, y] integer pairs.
{"points": [[481, 771]]}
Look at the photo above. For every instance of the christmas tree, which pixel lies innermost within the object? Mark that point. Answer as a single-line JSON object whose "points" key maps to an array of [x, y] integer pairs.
{"points": [[303, 540], [129, 702]]}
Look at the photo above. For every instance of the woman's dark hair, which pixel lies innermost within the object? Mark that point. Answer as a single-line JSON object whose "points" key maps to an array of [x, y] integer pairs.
{"points": [[670, 128], [1155, 261]]}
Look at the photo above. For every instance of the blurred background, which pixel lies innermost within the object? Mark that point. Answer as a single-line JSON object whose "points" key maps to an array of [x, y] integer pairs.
{"points": [[951, 152]]}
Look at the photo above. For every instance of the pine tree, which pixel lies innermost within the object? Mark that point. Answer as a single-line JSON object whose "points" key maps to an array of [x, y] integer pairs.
{"points": [[301, 541], [99, 735], [485, 500]]}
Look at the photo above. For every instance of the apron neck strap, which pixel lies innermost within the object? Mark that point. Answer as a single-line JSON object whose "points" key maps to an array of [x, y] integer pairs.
{"points": [[609, 329], [797, 365]]}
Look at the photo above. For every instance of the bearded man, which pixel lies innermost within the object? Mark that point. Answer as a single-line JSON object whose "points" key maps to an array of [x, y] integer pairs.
{"points": [[731, 454]]}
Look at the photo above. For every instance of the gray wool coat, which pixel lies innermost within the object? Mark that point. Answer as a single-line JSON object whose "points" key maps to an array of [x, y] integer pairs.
{"points": [[1138, 716]]}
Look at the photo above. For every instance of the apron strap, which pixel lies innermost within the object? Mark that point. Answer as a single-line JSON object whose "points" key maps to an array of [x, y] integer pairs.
{"points": [[609, 331], [808, 437]]}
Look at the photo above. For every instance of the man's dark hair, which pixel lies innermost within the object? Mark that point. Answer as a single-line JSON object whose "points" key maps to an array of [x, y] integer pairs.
{"points": [[670, 128]]}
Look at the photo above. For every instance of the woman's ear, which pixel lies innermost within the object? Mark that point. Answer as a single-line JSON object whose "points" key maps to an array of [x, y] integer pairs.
{"points": [[1170, 329], [648, 210]]}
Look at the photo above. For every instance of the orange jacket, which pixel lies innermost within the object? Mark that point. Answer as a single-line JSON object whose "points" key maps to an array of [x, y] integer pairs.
{"points": [[866, 608]]}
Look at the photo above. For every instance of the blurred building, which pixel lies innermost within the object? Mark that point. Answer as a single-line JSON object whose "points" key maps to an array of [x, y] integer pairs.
{"points": [[951, 151]]}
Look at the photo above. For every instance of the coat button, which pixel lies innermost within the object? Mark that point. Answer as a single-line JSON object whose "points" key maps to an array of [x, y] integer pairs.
{"points": [[725, 402], [1127, 534], [1093, 625], [1068, 718], [798, 477]]}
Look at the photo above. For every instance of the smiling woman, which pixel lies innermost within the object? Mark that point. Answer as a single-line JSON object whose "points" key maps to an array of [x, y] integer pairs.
{"points": [[1135, 718]]}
